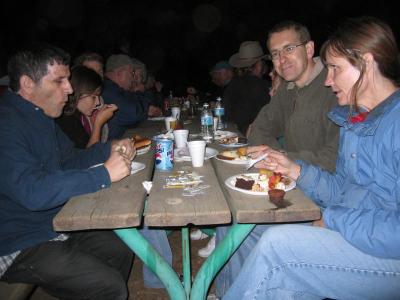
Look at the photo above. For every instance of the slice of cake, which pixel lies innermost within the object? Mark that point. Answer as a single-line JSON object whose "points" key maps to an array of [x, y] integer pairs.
{"points": [[244, 182]]}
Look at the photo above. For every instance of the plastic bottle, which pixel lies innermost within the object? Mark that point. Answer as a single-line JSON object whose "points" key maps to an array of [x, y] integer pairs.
{"points": [[207, 123], [219, 112]]}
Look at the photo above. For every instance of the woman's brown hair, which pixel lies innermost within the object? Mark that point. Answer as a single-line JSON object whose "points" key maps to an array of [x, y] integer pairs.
{"points": [[358, 36]]}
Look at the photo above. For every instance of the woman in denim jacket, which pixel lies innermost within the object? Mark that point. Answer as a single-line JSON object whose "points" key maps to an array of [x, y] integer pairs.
{"points": [[353, 252]]}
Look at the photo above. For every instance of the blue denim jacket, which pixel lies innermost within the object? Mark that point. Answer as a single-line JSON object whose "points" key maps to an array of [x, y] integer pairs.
{"points": [[362, 198], [40, 170], [132, 108]]}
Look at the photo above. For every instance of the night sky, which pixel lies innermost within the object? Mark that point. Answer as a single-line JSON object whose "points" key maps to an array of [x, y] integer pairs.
{"points": [[178, 40]]}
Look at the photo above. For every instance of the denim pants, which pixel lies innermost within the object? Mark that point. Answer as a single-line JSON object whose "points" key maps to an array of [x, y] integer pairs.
{"points": [[159, 240], [89, 265], [305, 262], [232, 268]]}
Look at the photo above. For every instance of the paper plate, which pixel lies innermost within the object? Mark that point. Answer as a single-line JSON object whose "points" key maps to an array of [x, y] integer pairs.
{"points": [[230, 183], [143, 150], [182, 154], [136, 167]]}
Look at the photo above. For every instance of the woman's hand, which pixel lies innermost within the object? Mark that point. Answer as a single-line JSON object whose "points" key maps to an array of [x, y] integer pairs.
{"points": [[105, 113], [257, 151], [280, 163]]}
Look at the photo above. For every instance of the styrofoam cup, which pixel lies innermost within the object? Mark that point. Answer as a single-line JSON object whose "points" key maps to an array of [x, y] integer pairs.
{"points": [[197, 150], [181, 137]]}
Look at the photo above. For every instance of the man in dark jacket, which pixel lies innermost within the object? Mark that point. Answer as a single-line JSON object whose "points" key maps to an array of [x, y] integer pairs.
{"points": [[40, 171], [133, 107]]}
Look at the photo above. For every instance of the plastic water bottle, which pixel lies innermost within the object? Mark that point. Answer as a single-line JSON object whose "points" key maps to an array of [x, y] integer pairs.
{"points": [[207, 123], [219, 112]]}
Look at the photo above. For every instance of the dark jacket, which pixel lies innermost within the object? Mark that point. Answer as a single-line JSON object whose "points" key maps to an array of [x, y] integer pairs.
{"points": [[243, 99], [40, 171], [132, 108]]}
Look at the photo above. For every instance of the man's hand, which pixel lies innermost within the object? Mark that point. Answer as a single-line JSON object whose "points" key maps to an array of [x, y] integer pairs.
{"points": [[118, 166], [125, 147], [154, 111]]}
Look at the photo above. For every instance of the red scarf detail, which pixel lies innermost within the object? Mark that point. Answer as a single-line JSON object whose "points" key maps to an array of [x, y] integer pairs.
{"points": [[359, 118]]}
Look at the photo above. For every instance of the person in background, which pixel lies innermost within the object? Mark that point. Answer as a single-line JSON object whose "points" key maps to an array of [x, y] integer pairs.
{"points": [[353, 251], [81, 105], [298, 113], [154, 88], [41, 171], [91, 60], [133, 107], [94, 61], [221, 75], [247, 92]]}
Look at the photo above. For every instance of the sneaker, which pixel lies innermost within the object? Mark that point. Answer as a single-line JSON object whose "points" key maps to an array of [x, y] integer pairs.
{"points": [[198, 235], [207, 250]]}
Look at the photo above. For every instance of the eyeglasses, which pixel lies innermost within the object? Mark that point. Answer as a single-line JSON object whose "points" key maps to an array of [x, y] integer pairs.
{"points": [[287, 50]]}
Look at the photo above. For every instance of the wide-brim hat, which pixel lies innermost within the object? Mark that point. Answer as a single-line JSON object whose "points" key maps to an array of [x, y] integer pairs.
{"points": [[249, 53]]}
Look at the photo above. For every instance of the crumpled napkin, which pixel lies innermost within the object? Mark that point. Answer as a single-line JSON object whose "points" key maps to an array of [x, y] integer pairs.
{"points": [[147, 185]]}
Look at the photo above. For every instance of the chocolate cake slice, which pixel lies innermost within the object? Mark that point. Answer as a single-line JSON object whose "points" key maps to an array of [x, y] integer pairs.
{"points": [[244, 183]]}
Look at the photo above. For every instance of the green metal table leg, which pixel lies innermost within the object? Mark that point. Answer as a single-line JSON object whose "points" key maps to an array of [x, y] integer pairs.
{"points": [[141, 247], [220, 255], [187, 280]]}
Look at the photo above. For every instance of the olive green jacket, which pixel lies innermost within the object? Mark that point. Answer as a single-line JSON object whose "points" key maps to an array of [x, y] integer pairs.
{"points": [[300, 116]]}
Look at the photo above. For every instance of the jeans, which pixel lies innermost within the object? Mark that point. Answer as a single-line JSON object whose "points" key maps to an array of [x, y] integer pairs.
{"points": [[232, 268], [159, 240], [89, 265], [305, 262]]}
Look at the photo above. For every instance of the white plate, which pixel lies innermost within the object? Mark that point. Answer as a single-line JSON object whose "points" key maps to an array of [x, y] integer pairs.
{"points": [[136, 167], [143, 150], [233, 161], [230, 182], [182, 154], [236, 145], [221, 134], [156, 119]]}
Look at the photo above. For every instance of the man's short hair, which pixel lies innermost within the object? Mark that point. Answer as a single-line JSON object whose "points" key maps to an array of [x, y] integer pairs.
{"points": [[301, 30], [33, 62], [88, 56]]}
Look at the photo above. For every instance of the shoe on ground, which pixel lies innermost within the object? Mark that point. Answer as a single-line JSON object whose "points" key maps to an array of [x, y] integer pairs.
{"points": [[207, 250], [198, 235]]}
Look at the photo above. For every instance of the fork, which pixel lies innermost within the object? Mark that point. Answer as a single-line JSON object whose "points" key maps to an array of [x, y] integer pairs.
{"points": [[252, 161]]}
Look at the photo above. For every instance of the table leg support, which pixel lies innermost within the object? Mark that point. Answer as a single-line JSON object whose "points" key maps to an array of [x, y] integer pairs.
{"points": [[142, 248], [187, 280], [220, 255]]}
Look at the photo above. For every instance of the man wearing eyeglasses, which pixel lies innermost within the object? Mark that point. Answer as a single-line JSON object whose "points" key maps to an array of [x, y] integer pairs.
{"points": [[297, 112]]}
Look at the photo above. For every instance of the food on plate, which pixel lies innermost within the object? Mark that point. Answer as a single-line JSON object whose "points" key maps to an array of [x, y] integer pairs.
{"points": [[242, 151], [244, 182], [232, 140], [141, 142], [262, 182], [276, 195], [239, 154]]}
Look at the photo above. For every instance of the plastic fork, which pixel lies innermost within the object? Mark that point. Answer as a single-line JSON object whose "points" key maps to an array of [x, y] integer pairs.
{"points": [[252, 162]]}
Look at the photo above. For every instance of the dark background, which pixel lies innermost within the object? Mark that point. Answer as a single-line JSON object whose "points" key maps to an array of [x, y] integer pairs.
{"points": [[178, 40]]}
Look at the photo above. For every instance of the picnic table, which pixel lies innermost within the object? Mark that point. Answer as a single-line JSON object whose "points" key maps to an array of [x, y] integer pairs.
{"points": [[125, 205]]}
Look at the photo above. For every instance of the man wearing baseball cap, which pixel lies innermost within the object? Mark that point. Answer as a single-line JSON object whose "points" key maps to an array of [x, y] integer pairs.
{"points": [[134, 106]]}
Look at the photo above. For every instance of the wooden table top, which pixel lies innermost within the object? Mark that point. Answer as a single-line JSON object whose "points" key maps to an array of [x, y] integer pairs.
{"points": [[122, 205]]}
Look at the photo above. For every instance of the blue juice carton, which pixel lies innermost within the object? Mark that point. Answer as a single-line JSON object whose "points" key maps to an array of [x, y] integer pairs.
{"points": [[164, 155]]}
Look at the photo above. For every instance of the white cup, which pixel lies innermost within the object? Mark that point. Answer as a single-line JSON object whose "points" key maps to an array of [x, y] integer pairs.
{"points": [[181, 137], [197, 150], [168, 121], [176, 112]]}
